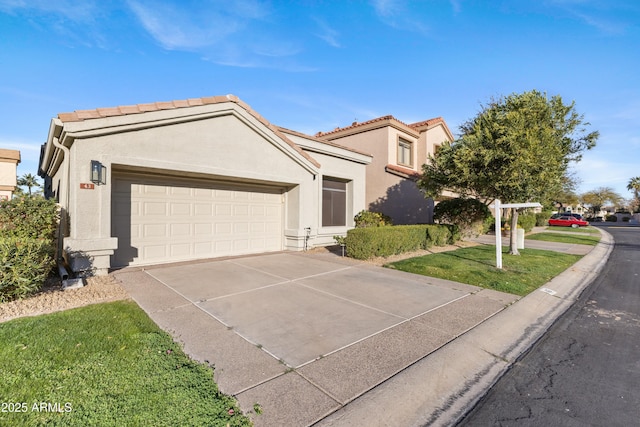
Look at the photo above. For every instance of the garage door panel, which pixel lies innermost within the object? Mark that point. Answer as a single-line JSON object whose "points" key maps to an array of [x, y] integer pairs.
{"points": [[201, 209], [223, 209], [157, 220]]}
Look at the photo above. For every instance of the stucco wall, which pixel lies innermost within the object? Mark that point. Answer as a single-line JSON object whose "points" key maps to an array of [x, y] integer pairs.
{"points": [[222, 148], [229, 146]]}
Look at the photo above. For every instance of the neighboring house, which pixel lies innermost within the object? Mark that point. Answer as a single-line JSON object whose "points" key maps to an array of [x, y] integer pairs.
{"points": [[582, 210], [194, 179], [9, 160], [399, 150]]}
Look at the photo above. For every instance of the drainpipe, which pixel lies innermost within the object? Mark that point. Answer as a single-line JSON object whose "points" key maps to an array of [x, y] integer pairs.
{"points": [[64, 202]]}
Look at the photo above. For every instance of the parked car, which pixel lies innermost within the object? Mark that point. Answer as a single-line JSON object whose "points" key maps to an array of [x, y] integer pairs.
{"points": [[576, 215], [568, 221]]}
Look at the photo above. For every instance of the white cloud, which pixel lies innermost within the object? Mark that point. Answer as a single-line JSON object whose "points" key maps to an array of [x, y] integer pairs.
{"points": [[176, 28], [394, 13], [327, 33], [596, 171], [84, 11]]}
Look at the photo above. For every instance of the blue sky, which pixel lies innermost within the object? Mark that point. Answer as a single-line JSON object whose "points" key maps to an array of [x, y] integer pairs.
{"points": [[314, 65]]}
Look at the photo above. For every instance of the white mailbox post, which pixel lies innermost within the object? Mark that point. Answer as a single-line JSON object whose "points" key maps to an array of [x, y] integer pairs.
{"points": [[497, 205]]}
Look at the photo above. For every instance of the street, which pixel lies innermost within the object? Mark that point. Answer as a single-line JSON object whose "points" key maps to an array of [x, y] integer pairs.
{"points": [[586, 369]]}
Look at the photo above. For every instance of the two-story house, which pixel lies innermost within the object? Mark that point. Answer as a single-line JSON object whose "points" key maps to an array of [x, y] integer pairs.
{"points": [[9, 160], [399, 150]]}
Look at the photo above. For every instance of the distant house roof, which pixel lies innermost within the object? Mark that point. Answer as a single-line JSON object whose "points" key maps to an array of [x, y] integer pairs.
{"points": [[369, 124], [9, 156], [385, 121]]}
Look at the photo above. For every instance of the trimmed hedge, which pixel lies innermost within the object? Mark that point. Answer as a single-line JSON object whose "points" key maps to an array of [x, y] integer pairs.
{"points": [[364, 219], [365, 243]]}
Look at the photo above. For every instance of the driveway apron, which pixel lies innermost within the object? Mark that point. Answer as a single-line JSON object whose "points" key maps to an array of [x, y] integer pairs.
{"points": [[303, 334]]}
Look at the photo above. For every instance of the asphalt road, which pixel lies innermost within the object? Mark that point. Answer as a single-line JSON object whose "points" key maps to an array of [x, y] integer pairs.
{"points": [[585, 371]]}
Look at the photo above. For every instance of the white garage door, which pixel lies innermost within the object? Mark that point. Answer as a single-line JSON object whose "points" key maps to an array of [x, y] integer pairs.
{"points": [[169, 219]]}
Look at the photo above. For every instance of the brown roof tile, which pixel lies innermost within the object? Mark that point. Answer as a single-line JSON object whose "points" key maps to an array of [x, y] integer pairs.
{"points": [[313, 138], [356, 125], [408, 173], [427, 122], [81, 115]]}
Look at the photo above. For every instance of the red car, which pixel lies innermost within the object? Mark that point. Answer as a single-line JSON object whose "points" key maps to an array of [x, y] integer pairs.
{"points": [[568, 221]]}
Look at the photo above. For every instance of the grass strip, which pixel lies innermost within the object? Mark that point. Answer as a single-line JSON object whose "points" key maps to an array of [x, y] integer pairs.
{"points": [[588, 230], [476, 266], [576, 239], [104, 365]]}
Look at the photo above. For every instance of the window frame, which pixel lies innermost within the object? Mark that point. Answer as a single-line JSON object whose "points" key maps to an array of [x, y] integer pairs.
{"points": [[338, 199], [404, 146]]}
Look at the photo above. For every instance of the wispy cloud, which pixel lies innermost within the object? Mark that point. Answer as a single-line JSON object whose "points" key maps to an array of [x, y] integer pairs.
{"points": [[84, 11], [77, 23], [610, 17], [395, 14], [177, 28], [327, 33], [221, 33]]}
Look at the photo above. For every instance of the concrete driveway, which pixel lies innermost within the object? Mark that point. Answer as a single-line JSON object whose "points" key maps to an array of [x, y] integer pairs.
{"points": [[303, 334]]}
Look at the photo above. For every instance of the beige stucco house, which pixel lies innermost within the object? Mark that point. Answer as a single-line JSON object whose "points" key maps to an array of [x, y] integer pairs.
{"points": [[9, 160], [192, 179], [399, 150]]}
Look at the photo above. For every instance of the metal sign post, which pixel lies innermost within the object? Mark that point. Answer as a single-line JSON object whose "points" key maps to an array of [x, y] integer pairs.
{"points": [[498, 206]]}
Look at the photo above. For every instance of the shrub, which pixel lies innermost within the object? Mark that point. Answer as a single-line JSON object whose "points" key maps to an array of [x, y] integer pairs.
{"points": [[527, 221], [471, 216], [366, 219], [24, 266], [625, 219], [611, 218], [28, 217], [365, 243], [542, 218], [27, 245]]}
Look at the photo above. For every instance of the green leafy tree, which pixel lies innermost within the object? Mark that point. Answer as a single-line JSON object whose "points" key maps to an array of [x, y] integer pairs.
{"points": [[517, 149], [28, 180], [634, 185], [596, 199]]}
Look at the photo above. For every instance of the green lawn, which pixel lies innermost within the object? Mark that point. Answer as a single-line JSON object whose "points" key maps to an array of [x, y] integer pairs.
{"points": [[590, 230], [576, 238], [104, 365], [476, 266]]}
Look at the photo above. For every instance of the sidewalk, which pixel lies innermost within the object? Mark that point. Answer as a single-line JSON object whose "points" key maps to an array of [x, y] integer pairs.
{"points": [[421, 357], [439, 389]]}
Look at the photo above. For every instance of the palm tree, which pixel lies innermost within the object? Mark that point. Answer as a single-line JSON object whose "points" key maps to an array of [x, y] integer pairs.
{"points": [[28, 180], [634, 185]]}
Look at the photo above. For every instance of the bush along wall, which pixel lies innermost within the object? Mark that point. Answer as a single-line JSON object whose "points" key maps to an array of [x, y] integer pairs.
{"points": [[365, 243], [27, 245], [527, 221]]}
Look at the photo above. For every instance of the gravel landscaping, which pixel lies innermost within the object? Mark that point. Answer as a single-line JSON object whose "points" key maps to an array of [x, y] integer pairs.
{"points": [[52, 298]]}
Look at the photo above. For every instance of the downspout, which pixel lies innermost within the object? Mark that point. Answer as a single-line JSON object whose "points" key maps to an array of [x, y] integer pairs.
{"points": [[64, 202]]}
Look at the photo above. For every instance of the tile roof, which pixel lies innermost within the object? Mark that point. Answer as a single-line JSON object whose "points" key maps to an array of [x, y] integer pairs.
{"points": [[427, 122], [356, 125], [405, 172], [81, 115], [414, 126], [322, 141]]}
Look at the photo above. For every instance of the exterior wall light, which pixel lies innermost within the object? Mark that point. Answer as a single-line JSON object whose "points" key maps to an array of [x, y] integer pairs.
{"points": [[98, 173]]}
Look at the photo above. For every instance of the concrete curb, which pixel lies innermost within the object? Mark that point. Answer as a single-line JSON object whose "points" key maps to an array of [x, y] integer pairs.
{"points": [[441, 388]]}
